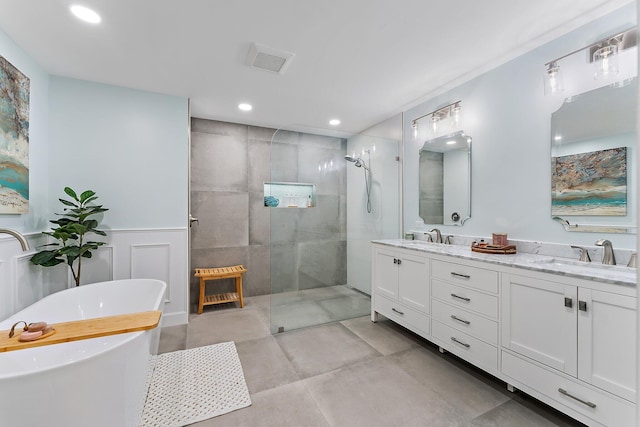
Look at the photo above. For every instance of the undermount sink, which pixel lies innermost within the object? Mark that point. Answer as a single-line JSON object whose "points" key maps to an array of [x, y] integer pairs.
{"points": [[559, 263]]}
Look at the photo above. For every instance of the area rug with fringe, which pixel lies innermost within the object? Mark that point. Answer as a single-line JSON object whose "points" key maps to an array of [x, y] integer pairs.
{"points": [[193, 385]]}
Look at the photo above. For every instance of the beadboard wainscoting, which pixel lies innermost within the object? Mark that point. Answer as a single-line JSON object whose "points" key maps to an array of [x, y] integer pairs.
{"points": [[129, 254]]}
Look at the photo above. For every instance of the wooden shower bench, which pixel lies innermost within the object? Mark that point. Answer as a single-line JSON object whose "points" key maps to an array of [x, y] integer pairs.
{"points": [[233, 272]]}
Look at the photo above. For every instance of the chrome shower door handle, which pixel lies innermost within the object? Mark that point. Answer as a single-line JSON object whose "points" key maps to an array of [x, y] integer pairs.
{"points": [[192, 220]]}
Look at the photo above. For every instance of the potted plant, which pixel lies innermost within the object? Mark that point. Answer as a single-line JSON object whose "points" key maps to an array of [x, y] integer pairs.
{"points": [[72, 228]]}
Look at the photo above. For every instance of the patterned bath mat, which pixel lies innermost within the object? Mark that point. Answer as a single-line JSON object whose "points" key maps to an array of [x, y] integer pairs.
{"points": [[193, 385]]}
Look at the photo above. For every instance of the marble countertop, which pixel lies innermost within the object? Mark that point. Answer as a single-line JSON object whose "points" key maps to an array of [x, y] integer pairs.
{"points": [[614, 274]]}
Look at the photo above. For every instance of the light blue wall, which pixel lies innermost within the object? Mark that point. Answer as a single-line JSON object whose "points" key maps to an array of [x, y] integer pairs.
{"points": [[508, 116], [129, 146], [38, 138]]}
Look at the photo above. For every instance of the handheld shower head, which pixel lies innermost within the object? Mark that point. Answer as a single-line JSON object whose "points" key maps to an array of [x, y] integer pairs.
{"points": [[357, 161]]}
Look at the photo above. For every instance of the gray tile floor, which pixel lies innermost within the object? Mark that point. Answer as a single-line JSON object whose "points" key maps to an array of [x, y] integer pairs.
{"points": [[309, 307], [352, 373]]}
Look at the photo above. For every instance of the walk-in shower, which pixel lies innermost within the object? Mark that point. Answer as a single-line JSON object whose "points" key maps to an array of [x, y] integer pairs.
{"points": [[311, 196], [359, 163]]}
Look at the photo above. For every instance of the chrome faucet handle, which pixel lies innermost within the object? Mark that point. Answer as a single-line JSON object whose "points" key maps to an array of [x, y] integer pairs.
{"points": [[584, 254], [633, 261], [447, 240]]}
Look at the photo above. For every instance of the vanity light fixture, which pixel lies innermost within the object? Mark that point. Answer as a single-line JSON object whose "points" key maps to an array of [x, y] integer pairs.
{"points": [[606, 62], [434, 123], [553, 79], [453, 112], [456, 116], [603, 54]]}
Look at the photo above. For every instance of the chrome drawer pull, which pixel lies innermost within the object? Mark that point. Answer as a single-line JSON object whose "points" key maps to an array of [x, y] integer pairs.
{"points": [[462, 298], [566, 393], [466, 322], [464, 276], [460, 342], [398, 311]]}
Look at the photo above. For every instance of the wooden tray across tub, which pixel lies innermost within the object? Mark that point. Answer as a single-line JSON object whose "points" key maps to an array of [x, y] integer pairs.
{"points": [[84, 329]]}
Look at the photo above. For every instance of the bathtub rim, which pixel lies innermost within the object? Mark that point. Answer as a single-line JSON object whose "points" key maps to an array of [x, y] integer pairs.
{"points": [[119, 339]]}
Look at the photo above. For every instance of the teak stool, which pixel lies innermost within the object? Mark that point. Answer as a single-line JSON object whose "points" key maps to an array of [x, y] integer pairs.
{"points": [[234, 272]]}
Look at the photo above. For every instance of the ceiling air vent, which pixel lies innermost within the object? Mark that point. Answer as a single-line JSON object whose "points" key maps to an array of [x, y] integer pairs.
{"points": [[268, 59]]}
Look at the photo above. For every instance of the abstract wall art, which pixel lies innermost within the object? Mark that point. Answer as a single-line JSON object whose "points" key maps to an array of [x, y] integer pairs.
{"points": [[14, 139], [593, 183]]}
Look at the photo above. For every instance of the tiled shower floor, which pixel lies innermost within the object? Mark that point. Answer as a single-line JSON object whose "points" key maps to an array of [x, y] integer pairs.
{"points": [[352, 373]]}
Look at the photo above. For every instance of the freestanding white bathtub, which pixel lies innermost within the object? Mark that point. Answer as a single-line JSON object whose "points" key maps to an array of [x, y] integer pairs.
{"points": [[95, 382]]}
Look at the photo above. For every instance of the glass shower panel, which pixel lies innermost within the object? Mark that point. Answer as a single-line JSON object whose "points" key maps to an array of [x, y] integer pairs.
{"points": [[307, 204], [373, 207]]}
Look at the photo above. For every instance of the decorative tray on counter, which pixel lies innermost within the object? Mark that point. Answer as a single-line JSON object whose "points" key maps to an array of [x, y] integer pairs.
{"points": [[487, 248]]}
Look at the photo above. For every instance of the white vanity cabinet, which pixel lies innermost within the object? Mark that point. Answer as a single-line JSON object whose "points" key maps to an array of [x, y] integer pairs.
{"points": [[565, 339], [401, 287], [465, 311], [579, 344], [607, 335], [539, 320]]}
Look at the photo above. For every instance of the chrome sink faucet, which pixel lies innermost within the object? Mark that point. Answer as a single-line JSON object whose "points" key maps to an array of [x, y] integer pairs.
{"points": [[608, 257], [584, 254], [438, 235]]}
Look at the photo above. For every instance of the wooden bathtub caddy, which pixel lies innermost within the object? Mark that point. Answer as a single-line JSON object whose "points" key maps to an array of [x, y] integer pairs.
{"points": [[85, 329]]}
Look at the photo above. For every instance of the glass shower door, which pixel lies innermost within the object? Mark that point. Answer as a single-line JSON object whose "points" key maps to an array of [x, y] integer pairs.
{"points": [[307, 204]]}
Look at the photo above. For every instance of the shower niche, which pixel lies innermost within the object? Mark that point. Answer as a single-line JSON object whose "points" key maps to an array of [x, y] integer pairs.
{"points": [[289, 195]]}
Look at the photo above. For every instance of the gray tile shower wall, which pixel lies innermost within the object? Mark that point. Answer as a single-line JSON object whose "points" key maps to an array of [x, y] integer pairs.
{"points": [[283, 249]]}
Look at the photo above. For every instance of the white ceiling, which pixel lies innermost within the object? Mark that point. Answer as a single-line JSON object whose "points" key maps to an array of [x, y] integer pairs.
{"points": [[358, 60]]}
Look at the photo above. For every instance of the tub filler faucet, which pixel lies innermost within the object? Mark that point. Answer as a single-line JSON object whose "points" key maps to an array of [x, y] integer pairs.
{"points": [[18, 236]]}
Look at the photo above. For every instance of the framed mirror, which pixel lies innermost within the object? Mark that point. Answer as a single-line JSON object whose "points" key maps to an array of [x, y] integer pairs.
{"points": [[593, 160], [445, 180]]}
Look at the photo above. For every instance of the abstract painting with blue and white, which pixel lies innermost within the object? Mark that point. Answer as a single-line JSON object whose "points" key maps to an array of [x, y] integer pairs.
{"points": [[14, 139], [593, 183]]}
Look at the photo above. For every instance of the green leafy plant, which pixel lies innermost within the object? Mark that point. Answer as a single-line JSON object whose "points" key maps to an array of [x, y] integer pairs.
{"points": [[71, 233]]}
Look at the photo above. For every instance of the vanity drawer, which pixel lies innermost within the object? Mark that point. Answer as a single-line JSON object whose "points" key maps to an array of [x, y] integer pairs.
{"points": [[403, 315], [466, 298], [609, 410], [465, 321], [464, 345], [480, 278]]}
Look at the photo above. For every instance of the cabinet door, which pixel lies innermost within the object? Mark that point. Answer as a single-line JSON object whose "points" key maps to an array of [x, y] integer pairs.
{"points": [[385, 275], [413, 279], [607, 342], [539, 321]]}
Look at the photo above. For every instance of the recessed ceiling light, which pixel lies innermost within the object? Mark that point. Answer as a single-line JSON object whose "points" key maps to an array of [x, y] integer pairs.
{"points": [[245, 107], [85, 14], [334, 122]]}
